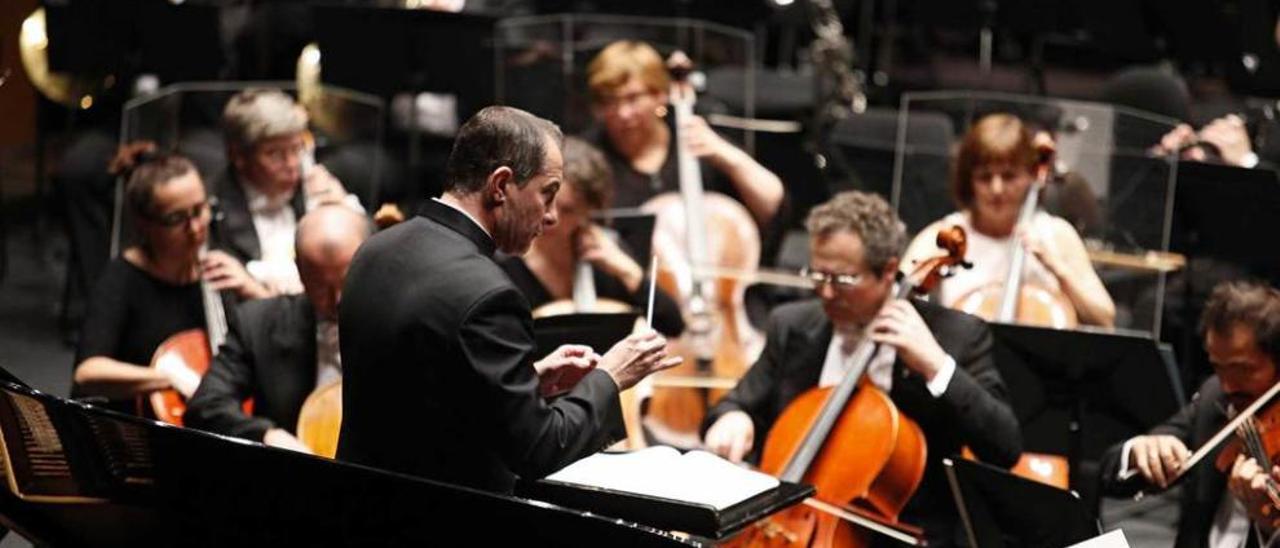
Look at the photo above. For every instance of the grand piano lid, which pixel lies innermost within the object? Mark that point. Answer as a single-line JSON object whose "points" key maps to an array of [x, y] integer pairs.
{"points": [[75, 474]]}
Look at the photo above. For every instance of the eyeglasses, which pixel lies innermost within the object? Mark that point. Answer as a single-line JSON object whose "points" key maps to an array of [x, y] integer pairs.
{"points": [[280, 154], [838, 281], [612, 102], [182, 216]]}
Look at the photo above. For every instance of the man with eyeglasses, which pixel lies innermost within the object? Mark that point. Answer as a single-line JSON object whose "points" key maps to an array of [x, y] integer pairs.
{"points": [[270, 183], [942, 376]]}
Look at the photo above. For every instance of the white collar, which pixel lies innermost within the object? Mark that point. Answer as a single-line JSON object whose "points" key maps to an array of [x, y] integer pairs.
{"points": [[261, 202], [464, 212]]}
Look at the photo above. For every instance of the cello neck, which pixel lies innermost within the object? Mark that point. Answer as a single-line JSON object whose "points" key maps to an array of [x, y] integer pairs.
{"points": [[215, 316], [682, 99], [1008, 312], [584, 286], [816, 437]]}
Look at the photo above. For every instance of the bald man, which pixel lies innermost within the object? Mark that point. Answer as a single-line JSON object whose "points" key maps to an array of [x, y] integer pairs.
{"points": [[279, 350]]}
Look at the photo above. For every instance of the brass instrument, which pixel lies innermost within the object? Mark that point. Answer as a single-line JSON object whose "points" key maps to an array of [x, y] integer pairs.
{"points": [[72, 90]]}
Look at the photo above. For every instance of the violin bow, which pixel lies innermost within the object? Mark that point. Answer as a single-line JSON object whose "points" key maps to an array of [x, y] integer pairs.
{"points": [[1226, 430]]}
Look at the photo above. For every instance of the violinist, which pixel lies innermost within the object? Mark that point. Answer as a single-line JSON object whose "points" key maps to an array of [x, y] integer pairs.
{"points": [[270, 183], [993, 171], [943, 376], [1241, 330], [629, 86], [152, 290], [546, 272], [279, 350]]}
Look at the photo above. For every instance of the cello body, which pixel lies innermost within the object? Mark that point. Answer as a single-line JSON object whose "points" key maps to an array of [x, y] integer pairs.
{"points": [[186, 349], [320, 419], [719, 341], [1036, 306], [873, 459]]}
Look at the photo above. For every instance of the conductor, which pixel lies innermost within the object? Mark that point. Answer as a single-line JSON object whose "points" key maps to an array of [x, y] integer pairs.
{"points": [[440, 378]]}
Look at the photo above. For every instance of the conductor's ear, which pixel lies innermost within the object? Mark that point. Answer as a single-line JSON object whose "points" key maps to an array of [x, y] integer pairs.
{"points": [[497, 185]]}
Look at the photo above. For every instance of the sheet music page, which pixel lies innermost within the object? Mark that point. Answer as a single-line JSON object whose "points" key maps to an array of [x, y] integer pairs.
{"points": [[1114, 539], [697, 476]]}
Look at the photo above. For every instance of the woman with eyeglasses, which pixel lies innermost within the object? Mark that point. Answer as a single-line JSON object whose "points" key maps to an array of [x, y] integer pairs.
{"points": [[994, 168], [629, 84], [152, 290]]}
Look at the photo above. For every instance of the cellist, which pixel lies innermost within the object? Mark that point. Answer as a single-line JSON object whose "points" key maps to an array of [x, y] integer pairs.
{"points": [[994, 167], [629, 82], [153, 289], [943, 376]]}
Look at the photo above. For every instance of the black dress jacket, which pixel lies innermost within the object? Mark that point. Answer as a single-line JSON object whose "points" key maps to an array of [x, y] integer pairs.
{"points": [[1203, 490], [232, 230], [270, 356], [437, 351], [974, 410]]}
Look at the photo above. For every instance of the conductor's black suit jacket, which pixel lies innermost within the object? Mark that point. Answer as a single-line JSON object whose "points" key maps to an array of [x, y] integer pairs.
{"points": [[974, 410], [270, 356], [437, 353]]}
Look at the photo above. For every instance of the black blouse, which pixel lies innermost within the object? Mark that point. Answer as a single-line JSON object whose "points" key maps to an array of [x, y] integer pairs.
{"points": [[632, 188], [131, 313], [666, 313]]}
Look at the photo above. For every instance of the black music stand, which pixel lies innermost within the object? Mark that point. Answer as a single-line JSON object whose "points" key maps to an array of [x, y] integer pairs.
{"points": [[599, 331], [1220, 212], [1000, 509], [663, 513], [1076, 393], [635, 230]]}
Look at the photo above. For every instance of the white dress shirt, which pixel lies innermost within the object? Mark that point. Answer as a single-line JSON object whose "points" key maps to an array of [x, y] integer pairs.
{"points": [[328, 357], [275, 224], [844, 351]]}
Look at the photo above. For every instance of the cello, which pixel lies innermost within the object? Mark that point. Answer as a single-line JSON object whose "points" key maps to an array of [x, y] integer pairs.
{"points": [[851, 443], [695, 230], [1013, 301], [187, 355]]}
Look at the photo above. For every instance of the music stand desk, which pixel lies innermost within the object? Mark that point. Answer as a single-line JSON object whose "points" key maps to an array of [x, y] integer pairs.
{"points": [[1076, 393], [1000, 509]]}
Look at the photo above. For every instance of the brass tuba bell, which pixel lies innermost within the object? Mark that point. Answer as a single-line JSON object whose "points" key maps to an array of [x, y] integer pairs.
{"points": [[72, 90]]}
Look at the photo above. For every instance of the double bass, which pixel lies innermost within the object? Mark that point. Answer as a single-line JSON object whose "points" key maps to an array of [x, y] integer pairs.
{"points": [[696, 230], [851, 443], [1012, 300]]}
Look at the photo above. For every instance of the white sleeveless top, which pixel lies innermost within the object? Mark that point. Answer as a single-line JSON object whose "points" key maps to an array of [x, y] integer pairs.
{"points": [[991, 256]]}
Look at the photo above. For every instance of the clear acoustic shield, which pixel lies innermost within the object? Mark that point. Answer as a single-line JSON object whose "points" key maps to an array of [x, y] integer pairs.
{"points": [[1110, 187], [542, 65], [186, 118]]}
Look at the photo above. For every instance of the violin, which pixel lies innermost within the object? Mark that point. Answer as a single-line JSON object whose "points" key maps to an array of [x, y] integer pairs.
{"points": [[1013, 301], [851, 443], [1257, 430], [696, 229]]}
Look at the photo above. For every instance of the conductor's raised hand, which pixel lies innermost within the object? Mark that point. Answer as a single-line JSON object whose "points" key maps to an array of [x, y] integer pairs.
{"points": [[636, 357], [561, 370]]}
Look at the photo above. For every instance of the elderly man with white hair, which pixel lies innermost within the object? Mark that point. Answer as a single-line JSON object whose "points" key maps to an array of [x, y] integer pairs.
{"points": [[271, 181]]}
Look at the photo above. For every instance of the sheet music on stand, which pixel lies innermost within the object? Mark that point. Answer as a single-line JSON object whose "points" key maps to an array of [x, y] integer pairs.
{"points": [[695, 492]]}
